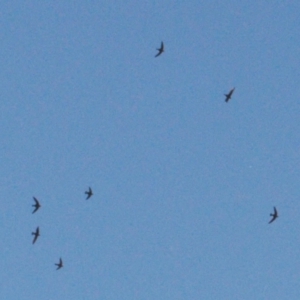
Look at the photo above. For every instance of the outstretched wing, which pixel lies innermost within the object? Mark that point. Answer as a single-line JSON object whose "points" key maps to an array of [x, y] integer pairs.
{"points": [[159, 53], [36, 234], [273, 219], [36, 201], [34, 240], [162, 47]]}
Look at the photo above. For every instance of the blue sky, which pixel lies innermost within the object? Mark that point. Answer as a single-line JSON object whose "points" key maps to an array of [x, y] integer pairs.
{"points": [[183, 182]]}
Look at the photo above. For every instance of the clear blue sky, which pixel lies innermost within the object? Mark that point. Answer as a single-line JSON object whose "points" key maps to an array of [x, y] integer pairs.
{"points": [[183, 182]]}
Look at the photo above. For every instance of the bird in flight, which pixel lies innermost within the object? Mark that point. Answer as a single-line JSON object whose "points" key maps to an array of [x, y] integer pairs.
{"points": [[274, 215], [228, 96], [89, 193], [36, 234], [37, 205], [60, 264], [160, 50]]}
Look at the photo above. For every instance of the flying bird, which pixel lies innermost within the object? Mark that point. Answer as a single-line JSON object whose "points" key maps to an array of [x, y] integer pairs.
{"points": [[228, 96], [37, 205], [89, 193], [274, 215], [160, 50], [60, 264], [36, 234]]}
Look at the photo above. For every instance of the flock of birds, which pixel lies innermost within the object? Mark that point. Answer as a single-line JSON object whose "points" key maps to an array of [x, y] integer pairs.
{"points": [[228, 96], [162, 49], [36, 233], [89, 193]]}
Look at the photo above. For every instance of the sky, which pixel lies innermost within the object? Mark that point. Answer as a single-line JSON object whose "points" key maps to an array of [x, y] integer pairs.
{"points": [[183, 182]]}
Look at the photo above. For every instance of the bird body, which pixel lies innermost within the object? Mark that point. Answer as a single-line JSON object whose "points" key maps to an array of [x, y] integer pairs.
{"points": [[60, 264], [89, 193], [37, 205], [36, 234], [274, 215], [228, 96], [160, 50]]}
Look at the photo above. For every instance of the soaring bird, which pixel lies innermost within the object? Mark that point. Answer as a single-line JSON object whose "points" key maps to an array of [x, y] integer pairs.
{"points": [[228, 96], [274, 215], [36, 234], [37, 205], [160, 50], [60, 264], [89, 193]]}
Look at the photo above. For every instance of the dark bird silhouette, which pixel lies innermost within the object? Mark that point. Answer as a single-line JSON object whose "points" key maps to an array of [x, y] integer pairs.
{"points": [[160, 50], [60, 264], [36, 234], [37, 205], [89, 193], [274, 215], [228, 96]]}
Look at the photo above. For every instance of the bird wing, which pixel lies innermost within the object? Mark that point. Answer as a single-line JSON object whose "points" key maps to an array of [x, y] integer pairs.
{"points": [[274, 217], [230, 93], [159, 53], [35, 238], [36, 201]]}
